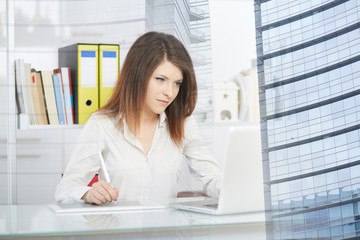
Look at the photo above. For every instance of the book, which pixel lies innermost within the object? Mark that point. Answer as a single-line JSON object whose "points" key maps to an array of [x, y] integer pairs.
{"points": [[34, 97], [71, 95], [50, 103], [67, 92], [38, 98], [19, 73], [24, 100], [59, 97], [29, 85]]}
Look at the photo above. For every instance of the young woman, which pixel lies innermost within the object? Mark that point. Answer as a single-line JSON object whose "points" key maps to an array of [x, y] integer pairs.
{"points": [[143, 132]]}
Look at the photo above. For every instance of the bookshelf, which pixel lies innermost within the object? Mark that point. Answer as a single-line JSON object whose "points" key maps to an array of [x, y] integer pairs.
{"points": [[34, 31], [32, 158], [51, 127]]}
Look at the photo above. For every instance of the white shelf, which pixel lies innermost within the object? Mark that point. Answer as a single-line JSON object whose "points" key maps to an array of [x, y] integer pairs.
{"points": [[48, 127], [24, 124]]}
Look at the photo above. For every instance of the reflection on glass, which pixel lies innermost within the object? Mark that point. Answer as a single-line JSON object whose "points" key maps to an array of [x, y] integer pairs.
{"points": [[103, 221]]}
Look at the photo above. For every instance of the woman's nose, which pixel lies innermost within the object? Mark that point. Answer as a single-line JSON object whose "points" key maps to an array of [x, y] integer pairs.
{"points": [[168, 91]]}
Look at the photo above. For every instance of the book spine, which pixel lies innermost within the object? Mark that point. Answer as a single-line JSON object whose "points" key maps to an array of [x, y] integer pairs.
{"points": [[59, 105]]}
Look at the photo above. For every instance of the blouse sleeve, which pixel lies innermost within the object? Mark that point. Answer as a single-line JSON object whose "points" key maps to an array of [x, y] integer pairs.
{"points": [[83, 164], [202, 164]]}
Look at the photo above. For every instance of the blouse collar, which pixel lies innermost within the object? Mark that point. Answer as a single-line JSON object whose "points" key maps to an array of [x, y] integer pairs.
{"points": [[128, 134], [162, 119]]}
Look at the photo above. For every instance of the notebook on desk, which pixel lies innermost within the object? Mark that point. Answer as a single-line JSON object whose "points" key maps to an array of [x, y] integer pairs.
{"points": [[242, 189]]}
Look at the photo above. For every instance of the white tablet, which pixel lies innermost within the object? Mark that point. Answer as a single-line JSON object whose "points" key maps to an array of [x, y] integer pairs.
{"points": [[106, 207]]}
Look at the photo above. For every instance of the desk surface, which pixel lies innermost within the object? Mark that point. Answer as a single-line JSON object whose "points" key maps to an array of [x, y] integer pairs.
{"points": [[38, 220]]}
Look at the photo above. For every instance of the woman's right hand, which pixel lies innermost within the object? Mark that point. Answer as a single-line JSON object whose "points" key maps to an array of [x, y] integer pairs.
{"points": [[101, 192]]}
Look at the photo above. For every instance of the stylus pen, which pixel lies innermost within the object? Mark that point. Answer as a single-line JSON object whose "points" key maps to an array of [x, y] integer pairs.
{"points": [[103, 167]]}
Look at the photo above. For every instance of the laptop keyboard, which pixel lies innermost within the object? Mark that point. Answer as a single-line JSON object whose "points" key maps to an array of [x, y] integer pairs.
{"points": [[212, 205]]}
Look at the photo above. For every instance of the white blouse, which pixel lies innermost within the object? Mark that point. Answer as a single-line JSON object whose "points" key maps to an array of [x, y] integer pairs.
{"points": [[136, 174]]}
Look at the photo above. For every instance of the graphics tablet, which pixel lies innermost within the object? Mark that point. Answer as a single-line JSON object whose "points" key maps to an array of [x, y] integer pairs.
{"points": [[106, 207]]}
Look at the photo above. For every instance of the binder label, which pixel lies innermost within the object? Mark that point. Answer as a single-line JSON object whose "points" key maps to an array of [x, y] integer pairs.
{"points": [[109, 54], [109, 68], [88, 69]]}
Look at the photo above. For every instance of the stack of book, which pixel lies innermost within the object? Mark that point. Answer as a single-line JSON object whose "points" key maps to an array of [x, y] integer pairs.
{"points": [[44, 97], [69, 94]]}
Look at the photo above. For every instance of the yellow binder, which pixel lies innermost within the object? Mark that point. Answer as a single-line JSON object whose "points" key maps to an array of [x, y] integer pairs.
{"points": [[88, 96], [108, 71], [83, 62]]}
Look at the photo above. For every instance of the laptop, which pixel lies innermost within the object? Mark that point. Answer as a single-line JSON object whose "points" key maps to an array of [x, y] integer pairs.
{"points": [[242, 189]]}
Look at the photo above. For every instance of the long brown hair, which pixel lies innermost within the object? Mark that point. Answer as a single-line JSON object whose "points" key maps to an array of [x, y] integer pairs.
{"points": [[145, 55]]}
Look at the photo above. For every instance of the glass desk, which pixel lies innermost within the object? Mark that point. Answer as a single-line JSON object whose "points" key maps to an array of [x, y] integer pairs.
{"points": [[38, 221]]}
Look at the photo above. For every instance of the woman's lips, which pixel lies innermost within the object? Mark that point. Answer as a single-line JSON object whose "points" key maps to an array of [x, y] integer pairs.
{"points": [[163, 102]]}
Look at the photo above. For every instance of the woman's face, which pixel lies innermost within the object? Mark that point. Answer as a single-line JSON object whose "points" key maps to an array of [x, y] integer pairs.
{"points": [[163, 87]]}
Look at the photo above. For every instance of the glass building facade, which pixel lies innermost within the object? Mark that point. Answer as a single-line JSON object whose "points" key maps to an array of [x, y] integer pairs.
{"points": [[308, 55]]}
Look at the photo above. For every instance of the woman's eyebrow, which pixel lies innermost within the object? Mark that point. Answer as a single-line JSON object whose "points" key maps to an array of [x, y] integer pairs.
{"points": [[166, 77], [161, 75]]}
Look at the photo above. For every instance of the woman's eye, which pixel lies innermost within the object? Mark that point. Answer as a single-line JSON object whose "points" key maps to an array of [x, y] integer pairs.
{"points": [[178, 84], [160, 79]]}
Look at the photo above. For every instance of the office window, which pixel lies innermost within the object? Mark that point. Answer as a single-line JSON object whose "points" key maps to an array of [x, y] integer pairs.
{"points": [[311, 27], [344, 174], [339, 84], [280, 126], [324, 55], [355, 171], [319, 180], [347, 211], [334, 213], [349, 230], [320, 153], [307, 183], [336, 231], [324, 232]]}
